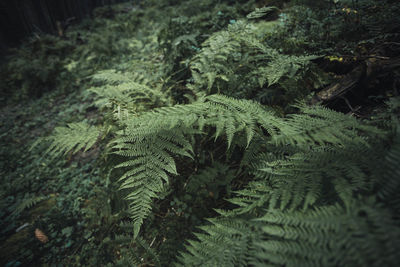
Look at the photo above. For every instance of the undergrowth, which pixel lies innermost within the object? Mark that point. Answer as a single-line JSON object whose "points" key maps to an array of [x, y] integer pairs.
{"points": [[181, 133]]}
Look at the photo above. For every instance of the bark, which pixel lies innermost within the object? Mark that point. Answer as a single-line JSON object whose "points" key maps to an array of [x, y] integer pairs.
{"points": [[361, 75]]}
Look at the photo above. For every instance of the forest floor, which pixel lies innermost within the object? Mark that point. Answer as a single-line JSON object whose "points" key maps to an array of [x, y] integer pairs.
{"points": [[38, 188]]}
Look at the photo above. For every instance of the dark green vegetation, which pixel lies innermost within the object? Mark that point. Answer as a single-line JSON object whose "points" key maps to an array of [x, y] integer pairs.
{"points": [[206, 133]]}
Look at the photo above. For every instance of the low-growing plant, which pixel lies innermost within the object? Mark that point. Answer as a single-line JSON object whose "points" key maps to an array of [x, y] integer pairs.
{"points": [[210, 153]]}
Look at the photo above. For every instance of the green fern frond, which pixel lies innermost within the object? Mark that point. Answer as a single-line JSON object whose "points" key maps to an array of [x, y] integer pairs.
{"points": [[300, 178], [131, 92], [74, 137], [282, 67], [307, 155], [326, 176], [238, 62], [222, 243], [213, 177], [319, 125], [149, 168], [358, 234], [390, 184], [28, 203], [152, 140]]}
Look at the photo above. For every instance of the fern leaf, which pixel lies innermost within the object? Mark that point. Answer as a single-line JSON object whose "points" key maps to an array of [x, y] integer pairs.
{"points": [[28, 203], [74, 137], [224, 243], [131, 92], [319, 125], [330, 236], [389, 186], [152, 140]]}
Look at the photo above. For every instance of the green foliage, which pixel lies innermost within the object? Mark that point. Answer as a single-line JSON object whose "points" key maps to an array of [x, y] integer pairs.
{"points": [[37, 193], [326, 27], [357, 234], [187, 113], [215, 179], [317, 154], [178, 40], [225, 242], [390, 183], [122, 92], [36, 67], [340, 224], [73, 138], [188, 25], [239, 63], [28, 203], [151, 140]]}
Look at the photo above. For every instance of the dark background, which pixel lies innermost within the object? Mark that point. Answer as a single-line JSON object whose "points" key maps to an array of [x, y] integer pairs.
{"points": [[20, 18]]}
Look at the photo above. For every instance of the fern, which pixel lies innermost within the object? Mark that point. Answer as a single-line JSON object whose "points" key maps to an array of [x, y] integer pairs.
{"points": [[151, 141], [282, 67], [319, 125], [319, 147], [359, 234], [333, 235], [389, 190], [27, 203], [74, 137], [212, 178], [133, 93], [149, 167], [238, 62], [222, 58], [341, 224], [224, 242], [315, 188]]}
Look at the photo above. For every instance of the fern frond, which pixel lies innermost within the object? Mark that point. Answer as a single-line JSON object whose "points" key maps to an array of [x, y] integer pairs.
{"points": [[358, 234], [213, 177], [74, 137], [28, 203], [149, 168], [390, 184], [335, 167], [131, 92], [238, 62], [152, 140], [308, 154], [282, 67], [223, 243], [319, 125]]}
